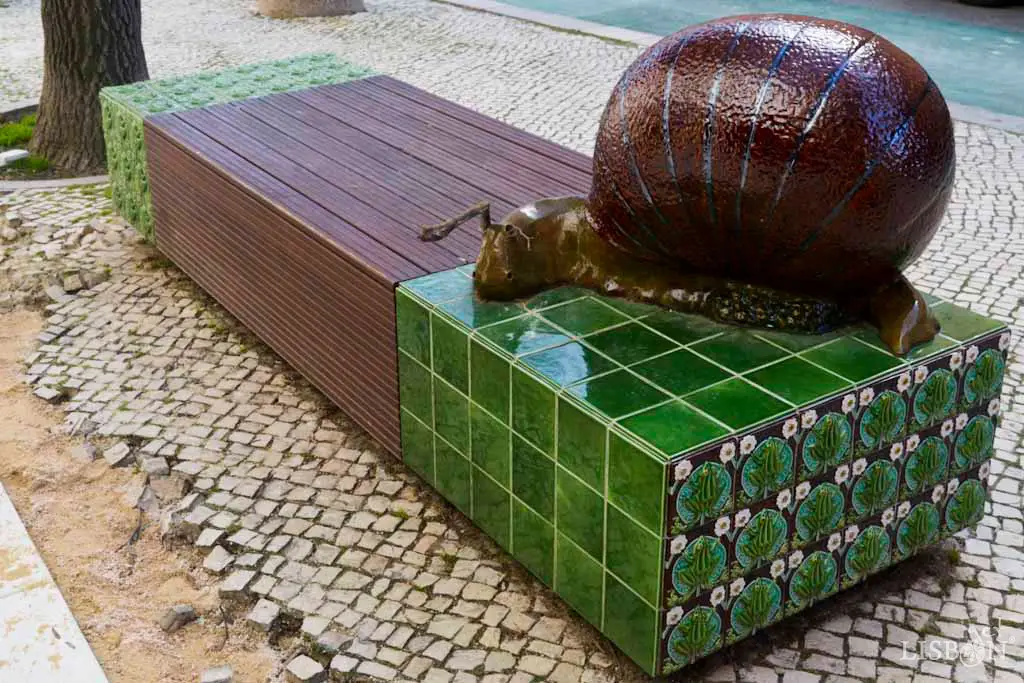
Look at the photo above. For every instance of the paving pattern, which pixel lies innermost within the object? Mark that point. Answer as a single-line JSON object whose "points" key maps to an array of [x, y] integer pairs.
{"points": [[313, 526]]}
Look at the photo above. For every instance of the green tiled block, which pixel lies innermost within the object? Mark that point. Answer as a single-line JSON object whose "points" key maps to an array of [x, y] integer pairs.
{"points": [[682, 483], [125, 107]]}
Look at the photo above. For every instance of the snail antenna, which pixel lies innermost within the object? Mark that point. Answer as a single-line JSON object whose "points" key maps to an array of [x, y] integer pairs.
{"points": [[436, 233]]}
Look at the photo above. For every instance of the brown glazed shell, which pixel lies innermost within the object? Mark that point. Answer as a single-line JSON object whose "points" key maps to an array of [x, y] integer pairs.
{"points": [[795, 152]]}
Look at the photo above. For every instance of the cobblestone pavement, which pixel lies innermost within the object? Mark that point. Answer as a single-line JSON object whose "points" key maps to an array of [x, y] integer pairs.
{"points": [[315, 527]]}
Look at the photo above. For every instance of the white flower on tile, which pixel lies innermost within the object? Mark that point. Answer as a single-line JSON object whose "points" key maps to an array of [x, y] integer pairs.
{"points": [[737, 586], [1004, 341], [842, 474], [778, 568], [903, 383], [913, 441], [722, 526], [952, 485], [742, 517], [859, 465], [678, 544], [921, 374], [683, 469], [795, 559], [888, 516], [674, 616], [947, 428], [727, 452], [849, 403], [802, 489], [835, 541], [983, 472], [903, 510], [717, 596], [747, 444], [993, 407], [784, 498], [851, 533], [867, 396], [808, 419], [789, 428], [961, 421], [937, 493], [896, 451], [971, 355], [955, 361]]}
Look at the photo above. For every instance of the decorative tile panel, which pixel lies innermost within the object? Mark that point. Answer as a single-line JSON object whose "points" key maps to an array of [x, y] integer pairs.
{"points": [[683, 484]]}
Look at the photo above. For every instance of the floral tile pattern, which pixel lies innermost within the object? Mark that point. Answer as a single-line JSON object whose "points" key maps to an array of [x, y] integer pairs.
{"points": [[679, 493]]}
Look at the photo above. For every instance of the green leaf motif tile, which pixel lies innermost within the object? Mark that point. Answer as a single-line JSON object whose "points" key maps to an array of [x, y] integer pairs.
{"points": [[583, 316], [736, 403], [568, 363], [630, 343], [673, 427]]}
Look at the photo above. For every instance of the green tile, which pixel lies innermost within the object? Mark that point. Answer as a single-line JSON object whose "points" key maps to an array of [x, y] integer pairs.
{"points": [[580, 513], [797, 381], [568, 363], [418, 446], [737, 403], [492, 508], [490, 378], [852, 359], [962, 324], [634, 309], [918, 353], [630, 343], [796, 342], [474, 313], [451, 415], [490, 444], [682, 327], [533, 478], [579, 580], [533, 542], [739, 350], [636, 482], [583, 316], [524, 334], [553, 297], [450, 352], [414, 382], [443, 286], [673, 427], [581, 443], [413, 321], [680, 372], [453, 480], [618, 393], [533, 410], [633, 554], [630, 623]]}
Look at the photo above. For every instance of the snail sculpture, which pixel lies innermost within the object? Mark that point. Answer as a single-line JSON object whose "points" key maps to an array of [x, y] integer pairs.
{"points": [[762, 170]]}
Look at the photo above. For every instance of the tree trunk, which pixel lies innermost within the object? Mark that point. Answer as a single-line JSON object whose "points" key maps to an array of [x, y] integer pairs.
{"points": [[89, 44]]}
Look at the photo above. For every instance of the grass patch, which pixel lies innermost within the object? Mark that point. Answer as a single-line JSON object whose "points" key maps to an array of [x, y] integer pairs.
{"points": [[31, 164], [18, 133]]}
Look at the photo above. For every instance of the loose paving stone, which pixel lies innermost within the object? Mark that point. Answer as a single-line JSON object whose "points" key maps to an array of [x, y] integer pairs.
{"points": [[119, 455], [220, 674], [264, 614], [302, 669], [177, 617]]}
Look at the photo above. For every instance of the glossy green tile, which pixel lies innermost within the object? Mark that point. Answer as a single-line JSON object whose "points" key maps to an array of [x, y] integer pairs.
{"points": [[533, 410], [797, 381], [524, 334], [918, 353], [451, 415], [680, 372], [453, 475], [633, 309], [630, 343], [737, 403], [580, 513], [633, 554], [682, 327], [579, 580], [583, 316], [533, 542], [553, 297], [963, 324], [492, 508], [631, 623], [443, 286], [533, 478], [796, 342], [636, 482], [413, 321], [414, 382], [673, 427], [490, 444], [474, 313], [739, 350], [490, 379], [450, 352], [618, 393], [418, 446], [854, 360], [581, 443], [568, 363]]}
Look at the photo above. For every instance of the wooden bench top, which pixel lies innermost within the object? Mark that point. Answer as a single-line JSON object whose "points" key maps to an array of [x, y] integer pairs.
{"points": [[300, 212]]}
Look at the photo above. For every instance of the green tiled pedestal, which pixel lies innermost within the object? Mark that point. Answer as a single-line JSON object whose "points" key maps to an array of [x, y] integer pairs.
{"points": [[125, 107], [680, 483]]}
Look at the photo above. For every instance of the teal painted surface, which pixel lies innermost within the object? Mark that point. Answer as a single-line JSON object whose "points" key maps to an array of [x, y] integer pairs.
{"points": [[973, 65]]}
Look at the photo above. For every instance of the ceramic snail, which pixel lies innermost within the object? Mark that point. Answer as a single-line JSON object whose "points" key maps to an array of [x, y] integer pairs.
{"points": [[763, 170]]}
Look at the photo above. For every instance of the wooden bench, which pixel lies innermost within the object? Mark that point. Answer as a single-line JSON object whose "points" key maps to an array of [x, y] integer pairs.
{"points": [[300, 212]]}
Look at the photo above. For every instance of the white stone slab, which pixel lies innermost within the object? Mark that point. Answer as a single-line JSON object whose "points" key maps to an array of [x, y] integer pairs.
{"points": [[12, 155], [39, 638]]}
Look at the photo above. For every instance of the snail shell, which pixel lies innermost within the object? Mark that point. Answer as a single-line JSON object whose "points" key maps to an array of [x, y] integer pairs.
{"points": [[800, 153]]}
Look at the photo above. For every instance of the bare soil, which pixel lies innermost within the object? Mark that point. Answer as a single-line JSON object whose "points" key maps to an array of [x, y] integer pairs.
{"points": [[78, 517]]}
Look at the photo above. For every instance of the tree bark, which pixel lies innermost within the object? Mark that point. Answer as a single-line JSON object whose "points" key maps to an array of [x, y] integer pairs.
{"points": [[88, 45]]}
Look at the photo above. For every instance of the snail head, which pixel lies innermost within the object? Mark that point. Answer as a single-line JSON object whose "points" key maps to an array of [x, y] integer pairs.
{"points": [[511, 265]]}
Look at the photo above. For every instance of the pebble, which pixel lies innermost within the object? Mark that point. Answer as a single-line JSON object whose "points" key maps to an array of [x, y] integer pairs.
{"points": [[220, 674], [119, 455], [177, 617]]}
